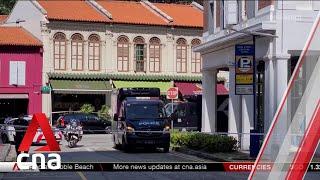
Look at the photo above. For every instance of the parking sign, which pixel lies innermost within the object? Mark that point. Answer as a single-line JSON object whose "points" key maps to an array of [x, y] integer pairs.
{"points": [[244, 70]]}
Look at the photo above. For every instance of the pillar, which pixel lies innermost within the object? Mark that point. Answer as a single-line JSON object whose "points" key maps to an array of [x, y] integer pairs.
{"points": [[235, 107], [209, 107]]}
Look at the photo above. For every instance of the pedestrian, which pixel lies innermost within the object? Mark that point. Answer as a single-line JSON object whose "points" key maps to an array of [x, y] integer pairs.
{"points": [[20, 126]]}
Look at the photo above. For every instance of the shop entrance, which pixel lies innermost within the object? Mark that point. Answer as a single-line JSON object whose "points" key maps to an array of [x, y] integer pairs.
{"points": [[73, 102], [13, 107]]}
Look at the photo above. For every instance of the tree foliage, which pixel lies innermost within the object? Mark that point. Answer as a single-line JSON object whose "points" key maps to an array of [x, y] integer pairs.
{"points": [[87, 108], [6, 6], [104, 112]]}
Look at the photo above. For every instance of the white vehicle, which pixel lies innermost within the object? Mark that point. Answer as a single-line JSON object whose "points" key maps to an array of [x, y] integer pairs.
{"points": [[7, 132]]}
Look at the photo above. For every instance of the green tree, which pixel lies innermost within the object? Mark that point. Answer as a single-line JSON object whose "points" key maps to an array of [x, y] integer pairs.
{"points": [[6, 6], [87, 108]]}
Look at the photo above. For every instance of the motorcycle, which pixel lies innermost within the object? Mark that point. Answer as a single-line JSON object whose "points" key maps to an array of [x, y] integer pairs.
{"points": [[73, 133]]}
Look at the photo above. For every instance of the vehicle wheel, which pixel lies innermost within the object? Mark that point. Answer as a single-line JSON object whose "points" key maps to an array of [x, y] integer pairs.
{"points": [[166, 149], [4, 139], [71, 143]]}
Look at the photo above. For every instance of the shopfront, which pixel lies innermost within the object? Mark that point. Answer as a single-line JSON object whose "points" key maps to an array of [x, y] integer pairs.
{"points": [[70, 95], [20, 73]]}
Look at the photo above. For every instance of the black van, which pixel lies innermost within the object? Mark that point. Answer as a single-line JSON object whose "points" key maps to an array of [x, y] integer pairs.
{"points": [[140, 120]]}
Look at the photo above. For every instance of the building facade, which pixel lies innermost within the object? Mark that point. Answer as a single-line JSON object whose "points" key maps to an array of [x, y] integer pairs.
{"points": [[20, 72], [280, 30], [91, 47]]}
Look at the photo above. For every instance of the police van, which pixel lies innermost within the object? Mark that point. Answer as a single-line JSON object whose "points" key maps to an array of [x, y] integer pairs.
{"points": [[139, 119]]}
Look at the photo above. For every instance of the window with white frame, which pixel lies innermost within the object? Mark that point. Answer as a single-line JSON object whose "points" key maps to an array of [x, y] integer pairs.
{"points": [[94, 53], [250, 7], [17, 73], [154, 55], [181, 55], [196, 60], [140, 54], [59, 51], [77, 44], [123, 54]]}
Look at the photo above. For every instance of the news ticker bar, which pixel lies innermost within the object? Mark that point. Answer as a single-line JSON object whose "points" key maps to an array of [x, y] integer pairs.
{"points": [[145, 166]]}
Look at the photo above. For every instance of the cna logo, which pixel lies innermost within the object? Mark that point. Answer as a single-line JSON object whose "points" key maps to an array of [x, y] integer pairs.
{"points": [[39, 120]]}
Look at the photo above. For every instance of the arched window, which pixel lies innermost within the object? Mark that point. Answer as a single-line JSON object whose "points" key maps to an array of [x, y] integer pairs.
{"points": [[59, 51], [154, 55], [123, 53], [94, 53], [77, 52], [181, 55], [139, 54], [196, 60]]}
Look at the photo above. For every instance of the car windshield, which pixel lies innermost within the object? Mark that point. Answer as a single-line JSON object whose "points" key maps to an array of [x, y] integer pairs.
{"points": [[143, 111]]}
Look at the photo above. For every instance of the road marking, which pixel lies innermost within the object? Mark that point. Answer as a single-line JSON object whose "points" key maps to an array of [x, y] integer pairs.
{"points": [[81, 175]]}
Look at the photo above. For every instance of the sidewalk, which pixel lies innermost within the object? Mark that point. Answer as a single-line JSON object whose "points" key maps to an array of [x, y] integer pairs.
{"points": [[219, 157]]}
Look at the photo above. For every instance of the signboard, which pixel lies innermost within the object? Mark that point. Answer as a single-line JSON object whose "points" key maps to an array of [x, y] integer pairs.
{"points": [[45, 89], [244, 70], [173, 93]]}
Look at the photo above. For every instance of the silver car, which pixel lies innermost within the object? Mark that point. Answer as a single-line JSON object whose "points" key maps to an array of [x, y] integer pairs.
{"points": [[7, 132]]}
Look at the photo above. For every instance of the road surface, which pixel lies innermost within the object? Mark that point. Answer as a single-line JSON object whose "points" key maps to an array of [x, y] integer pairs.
{"points": [[99, 148]]}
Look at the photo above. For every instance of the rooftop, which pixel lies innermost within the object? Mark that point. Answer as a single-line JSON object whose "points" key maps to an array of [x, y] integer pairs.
{"points": [[131, 13], [183, 15], [72, 11], [124, 12], [17, 36]]}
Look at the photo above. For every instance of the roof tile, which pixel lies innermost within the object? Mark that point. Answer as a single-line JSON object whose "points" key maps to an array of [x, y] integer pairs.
{"points": [[127, 12], [183, 15], [17, 36], [3, 18], [72, 11], [131, 13]]}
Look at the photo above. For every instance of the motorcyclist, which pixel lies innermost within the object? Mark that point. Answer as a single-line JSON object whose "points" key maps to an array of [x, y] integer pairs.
{"points": [[73, 130]]}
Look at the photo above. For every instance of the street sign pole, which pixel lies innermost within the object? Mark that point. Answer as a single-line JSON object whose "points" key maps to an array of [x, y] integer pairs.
{"points": [[172, 113], [172, 94]]}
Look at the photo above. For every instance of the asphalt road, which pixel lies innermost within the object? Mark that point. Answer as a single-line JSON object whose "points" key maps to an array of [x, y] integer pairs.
{"points": [[99, 148]]}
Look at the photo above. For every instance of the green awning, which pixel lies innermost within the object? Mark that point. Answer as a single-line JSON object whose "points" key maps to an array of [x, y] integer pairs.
{"points": [[163, 86], [80, 87]]}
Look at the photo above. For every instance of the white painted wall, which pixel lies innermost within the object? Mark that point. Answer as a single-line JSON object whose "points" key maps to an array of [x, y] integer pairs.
{"points": [[292, 23], [25, 10]]}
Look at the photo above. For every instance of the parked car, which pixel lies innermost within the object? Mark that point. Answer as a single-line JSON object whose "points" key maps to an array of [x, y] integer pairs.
{"points": [[7, 132], [90, 122], [185, 115]]}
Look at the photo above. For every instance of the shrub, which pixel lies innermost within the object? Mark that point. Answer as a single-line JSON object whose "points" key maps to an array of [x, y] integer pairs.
{"points": [[87, 108], [104, 113], [205, 142]]}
